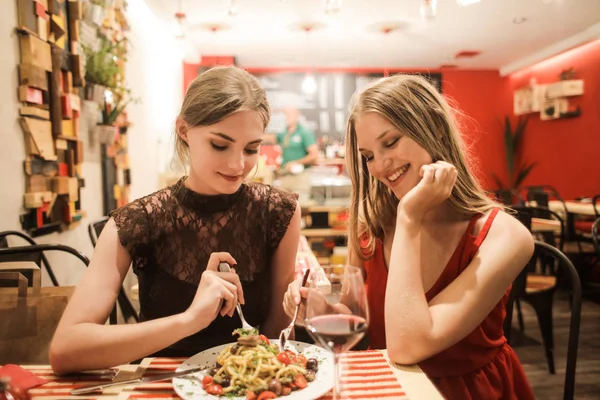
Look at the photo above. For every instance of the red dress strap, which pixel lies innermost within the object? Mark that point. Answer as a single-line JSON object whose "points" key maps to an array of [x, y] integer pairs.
{"points": [[486, 227]]}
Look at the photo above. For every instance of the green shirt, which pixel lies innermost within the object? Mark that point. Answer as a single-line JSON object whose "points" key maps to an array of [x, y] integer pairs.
{"points": [[297, 145]]}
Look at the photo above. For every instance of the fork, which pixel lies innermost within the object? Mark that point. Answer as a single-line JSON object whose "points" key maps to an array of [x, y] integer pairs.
{"points": [[285, 333], [224, 267]]}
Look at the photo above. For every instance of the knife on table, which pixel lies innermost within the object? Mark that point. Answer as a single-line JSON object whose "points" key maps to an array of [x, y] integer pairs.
{"points": [[140, 380]]}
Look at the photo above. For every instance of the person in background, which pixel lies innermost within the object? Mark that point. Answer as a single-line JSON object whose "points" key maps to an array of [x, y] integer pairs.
{"points": [[298, 143], [176, 237], [438, 254]]}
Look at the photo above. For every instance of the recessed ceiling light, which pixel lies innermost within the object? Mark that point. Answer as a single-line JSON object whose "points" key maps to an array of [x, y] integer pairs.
{"points": [[519, 20]]}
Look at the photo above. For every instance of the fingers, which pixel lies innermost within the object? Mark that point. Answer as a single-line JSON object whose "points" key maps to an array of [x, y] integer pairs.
{"points": [[230, 301], [428, 174], [233, 278], [216, 258]]}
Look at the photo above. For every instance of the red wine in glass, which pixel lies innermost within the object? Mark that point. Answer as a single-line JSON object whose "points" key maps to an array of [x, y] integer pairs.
{"points": [[338, 333]]}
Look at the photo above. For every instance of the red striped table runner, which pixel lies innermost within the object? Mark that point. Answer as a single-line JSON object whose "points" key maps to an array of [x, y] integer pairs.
{"points": [[364, 375]]}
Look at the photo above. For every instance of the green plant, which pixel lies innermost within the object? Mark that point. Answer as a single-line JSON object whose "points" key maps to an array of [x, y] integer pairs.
{"points": [[120, 99], [517, 171], [102, 65]]}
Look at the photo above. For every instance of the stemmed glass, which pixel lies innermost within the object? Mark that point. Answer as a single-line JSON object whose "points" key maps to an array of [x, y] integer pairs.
{"points": [[337, 314]]}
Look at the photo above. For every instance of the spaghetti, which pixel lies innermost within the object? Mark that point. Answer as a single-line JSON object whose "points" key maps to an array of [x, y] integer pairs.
{"points": [[254, 368]]}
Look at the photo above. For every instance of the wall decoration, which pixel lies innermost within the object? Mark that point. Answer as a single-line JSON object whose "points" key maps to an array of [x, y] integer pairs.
{"points": [[49, 115], [52, 83], [550, 100]]}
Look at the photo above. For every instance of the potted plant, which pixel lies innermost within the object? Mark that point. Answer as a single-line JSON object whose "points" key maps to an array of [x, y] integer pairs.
{"points": [[517, 170], [105, 86], [114, 106]]}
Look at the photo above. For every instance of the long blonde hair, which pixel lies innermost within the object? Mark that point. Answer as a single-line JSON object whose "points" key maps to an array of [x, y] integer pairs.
{"points": [[215, 95], [414, 107]]}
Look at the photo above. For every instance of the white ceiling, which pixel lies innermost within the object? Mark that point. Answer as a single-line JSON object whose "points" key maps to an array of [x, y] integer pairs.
{"points": [[268, 33]]}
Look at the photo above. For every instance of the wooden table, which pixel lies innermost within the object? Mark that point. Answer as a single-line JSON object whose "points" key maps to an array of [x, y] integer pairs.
{"points": [[573, 207], [365, 374]]}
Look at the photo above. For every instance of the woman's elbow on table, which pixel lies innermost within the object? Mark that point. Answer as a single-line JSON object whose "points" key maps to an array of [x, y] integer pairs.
{"points": [[60, 360], [406, 353]]}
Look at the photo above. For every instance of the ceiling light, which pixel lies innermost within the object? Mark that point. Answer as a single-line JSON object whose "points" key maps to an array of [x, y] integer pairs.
{"points": [[231, 7], [464, 3], [428, 9], [332, 6], [179, 26], [519, 20]]}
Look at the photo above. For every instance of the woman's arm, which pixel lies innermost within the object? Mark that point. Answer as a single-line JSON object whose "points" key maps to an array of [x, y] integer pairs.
{"points": [[82, 340], [416, 330], [283, 266]]}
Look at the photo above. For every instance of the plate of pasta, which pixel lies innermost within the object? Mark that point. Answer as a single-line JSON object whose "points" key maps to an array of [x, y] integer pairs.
{"points": [[254, 368]]}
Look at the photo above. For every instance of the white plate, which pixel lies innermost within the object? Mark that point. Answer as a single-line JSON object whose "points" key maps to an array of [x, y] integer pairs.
{"points": [[190, 387]]}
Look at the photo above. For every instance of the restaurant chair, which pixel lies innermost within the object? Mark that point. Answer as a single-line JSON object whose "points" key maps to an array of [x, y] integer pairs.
{"points": [[127, 308], [541, 301], [596, 236], [38, 258], [544, 213], [40, 248]]}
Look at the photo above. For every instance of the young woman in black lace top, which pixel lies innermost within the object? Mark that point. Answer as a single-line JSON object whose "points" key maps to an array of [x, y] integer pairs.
{"points": [[176, 237]]}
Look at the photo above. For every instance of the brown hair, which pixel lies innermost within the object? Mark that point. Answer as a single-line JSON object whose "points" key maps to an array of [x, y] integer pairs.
{"points": [[215, 95], [414, 107]]}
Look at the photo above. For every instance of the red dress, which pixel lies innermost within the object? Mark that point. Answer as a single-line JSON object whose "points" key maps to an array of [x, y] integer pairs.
{"points": [[480, 366]]}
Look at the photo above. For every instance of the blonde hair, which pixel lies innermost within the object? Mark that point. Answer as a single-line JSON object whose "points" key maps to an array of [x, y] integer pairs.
{"points": [[414, 107], [215, 95]]}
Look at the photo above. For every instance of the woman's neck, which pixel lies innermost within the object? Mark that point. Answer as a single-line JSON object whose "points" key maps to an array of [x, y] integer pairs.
{"points": [[196, 185]]}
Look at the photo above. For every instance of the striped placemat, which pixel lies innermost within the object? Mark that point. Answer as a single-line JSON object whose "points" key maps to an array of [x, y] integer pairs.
{"points": [[364, 375]]}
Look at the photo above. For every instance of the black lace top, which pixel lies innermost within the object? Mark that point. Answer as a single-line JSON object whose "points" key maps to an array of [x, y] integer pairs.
{"points": [[170, 235]]}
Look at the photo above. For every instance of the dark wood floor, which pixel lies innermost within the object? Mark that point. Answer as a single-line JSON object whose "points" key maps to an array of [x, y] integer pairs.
{"points": [[531, 352]]}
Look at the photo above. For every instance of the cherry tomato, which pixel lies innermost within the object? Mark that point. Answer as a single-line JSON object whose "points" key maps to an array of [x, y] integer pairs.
{"points": [[207, 380], [291, 355], [283, 358], [266, 395], [250, 395], [264, 339], [300, 381], [215, 389], [285, 391], [301, 360]]}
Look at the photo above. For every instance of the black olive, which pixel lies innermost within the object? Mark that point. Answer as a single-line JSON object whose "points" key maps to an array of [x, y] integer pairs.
{"points": [[213, 371], [225, 381], [312, 364], [234, 349], [275, 386]]}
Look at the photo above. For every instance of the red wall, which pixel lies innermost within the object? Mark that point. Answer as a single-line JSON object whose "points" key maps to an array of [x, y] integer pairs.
{"points": [[567, 150]]}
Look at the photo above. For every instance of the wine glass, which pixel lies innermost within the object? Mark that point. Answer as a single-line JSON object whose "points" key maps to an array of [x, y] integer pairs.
{"points": [[337, 313]]}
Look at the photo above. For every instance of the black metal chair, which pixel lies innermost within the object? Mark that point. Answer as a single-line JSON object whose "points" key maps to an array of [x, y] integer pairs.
{"points": [[544, 213], [542, 194], [40, 248], [38, 258], [541, 301], [596, 235], [595, 200], [125, 304], [95, 228]]}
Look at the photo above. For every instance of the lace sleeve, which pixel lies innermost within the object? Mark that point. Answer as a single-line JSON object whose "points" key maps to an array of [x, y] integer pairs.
{"points": [[134, 231], [280, 209]]}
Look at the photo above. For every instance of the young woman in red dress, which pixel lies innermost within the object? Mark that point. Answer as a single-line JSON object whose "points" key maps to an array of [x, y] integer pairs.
{"points": [[438, 254]]}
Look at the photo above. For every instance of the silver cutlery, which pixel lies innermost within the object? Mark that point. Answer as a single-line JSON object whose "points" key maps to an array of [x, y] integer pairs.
{"points": [[285, 333], [140, 380], [224, 267]]}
